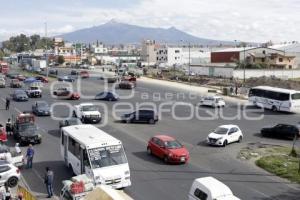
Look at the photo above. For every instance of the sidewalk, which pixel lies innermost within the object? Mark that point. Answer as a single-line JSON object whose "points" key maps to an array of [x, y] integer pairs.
{"points": [[193, 88]]}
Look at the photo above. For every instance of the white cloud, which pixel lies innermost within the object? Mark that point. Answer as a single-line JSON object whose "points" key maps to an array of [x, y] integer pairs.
{"points": [[254, 20]]}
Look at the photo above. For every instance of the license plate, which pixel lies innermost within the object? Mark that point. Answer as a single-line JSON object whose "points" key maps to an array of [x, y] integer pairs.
{"points": [[32, 141], [182, 159]]}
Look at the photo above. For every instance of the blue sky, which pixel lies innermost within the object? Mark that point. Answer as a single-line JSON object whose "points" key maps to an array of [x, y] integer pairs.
{"points": [[255, 20]]}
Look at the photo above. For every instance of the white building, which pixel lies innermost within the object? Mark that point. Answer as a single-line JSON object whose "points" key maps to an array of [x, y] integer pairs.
{"points": [[148, 52], [292, 49], [99, 49], [169, 55]]}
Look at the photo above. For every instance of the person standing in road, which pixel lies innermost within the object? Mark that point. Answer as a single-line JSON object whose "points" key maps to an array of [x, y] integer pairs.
{"points": [[8, 127], [7, 103], [48, 180], [29, 156]]}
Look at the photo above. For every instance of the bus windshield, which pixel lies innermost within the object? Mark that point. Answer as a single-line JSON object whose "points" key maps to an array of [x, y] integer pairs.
{"points": [[107, 156]]}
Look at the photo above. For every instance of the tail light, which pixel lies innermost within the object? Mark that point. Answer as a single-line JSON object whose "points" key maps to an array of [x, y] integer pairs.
{"points": [[18, 171], [290, 104]]}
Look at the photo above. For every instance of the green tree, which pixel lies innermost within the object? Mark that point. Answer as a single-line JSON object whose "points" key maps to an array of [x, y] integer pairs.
{"points": [[60, 59]]}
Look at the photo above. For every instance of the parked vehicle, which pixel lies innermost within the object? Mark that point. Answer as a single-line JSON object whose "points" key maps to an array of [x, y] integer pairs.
{"points": [[224, 135], [148, 116], [15, 83], [9, 174], [12, 75], [12, 155], [53, 71], [87, 113], [276, 99], [42, 79], [66, 79], [25, 130], [4, 68], [209, 188], [66, 93], [3, 135], [103, 157], [126, 85], [69, 122], [285, 131], [21, 77], [84, 74], [168, 149], [41, 108], [2, 83], [213, 101], [34, 92], [19, 95], [108, 96], [74, 72]]}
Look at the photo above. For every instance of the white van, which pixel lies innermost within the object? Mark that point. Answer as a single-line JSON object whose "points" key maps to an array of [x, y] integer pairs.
{"points": [[89, 150], [209, 188], [213, 101]]}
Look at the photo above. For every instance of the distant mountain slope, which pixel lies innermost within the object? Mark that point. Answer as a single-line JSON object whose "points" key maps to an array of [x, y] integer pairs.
{"points": [[121, 33]]}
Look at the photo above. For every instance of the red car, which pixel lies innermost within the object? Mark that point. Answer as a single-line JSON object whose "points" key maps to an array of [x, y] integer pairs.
{"points": [[42, 79], [21, 77], [3, 135], [168, 148], [84, 74], [74, 96]]}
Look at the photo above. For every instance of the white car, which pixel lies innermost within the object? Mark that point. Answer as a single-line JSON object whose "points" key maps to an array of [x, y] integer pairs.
{"points": [[224, 135], [9, 174], [213, 101]]}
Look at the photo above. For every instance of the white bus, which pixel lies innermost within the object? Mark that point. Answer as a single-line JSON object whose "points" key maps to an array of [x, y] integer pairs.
{"points": [[276, 99], [89, 150]]}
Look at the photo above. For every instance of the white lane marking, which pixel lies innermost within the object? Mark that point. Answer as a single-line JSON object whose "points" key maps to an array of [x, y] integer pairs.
{"points": [[16, 109]]}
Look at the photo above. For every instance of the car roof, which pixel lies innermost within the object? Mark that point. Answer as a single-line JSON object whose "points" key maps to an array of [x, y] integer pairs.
{"points": [[228, 126], [164, 137]]}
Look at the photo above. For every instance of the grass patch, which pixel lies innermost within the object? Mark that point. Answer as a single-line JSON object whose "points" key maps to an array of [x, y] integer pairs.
{"points": [[281, 165]]}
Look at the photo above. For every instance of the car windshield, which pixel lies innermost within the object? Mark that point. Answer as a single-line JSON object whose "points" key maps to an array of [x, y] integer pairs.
{"points": [[107, 156], [89, 108], [221, 131], [173, 144], [42, 105], [27, 127]]}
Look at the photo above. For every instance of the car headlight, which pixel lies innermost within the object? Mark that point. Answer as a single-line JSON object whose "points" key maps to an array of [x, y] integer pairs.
{"points": [[221, 138], [127, 172], [170, 154]]}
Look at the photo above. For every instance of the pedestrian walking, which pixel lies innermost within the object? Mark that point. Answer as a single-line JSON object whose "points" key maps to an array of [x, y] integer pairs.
{"points": [[8, 127], [236, 90], [7, 103], [48, 180], [29, 156]]}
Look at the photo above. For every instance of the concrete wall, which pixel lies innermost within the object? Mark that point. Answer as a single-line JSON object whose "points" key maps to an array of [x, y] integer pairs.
{"points": [[213, 71], [285, 74]]}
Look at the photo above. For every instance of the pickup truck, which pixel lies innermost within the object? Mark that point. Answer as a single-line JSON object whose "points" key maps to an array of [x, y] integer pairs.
{"points": [[210, 188], [81, 187], [34, 92], [12, 155], [87, 113]]}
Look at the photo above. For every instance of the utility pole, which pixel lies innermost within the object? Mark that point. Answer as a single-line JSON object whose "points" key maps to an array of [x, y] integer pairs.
{"points": [[189, 63], [46, 34], [244, 64]]}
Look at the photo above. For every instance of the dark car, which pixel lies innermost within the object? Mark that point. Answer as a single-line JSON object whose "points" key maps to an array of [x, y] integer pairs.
{"points": [[69, 122], [41, 108], [108, 96], [20, 95], [126, 85], [74, 72], [147, 116], [27, 133], [66, 79], [285, 131], [42, 79], [12, 75], [21, 77], [15, 83]]}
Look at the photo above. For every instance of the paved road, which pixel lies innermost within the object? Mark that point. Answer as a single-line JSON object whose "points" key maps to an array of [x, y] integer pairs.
{"points": [[151, 178]]}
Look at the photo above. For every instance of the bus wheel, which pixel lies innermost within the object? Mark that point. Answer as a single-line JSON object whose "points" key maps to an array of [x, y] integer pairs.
{"points": [[274, 108]]}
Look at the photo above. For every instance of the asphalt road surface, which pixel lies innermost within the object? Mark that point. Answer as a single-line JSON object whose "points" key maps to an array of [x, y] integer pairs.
{"points": [[151, 177]]}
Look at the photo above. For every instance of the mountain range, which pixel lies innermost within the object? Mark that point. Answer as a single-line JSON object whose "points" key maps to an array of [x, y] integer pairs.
{"points": [[114, 32]]}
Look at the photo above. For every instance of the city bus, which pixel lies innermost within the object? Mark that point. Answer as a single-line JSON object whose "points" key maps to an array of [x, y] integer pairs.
{"points": [[276, 99], [3, 67], [91, 151]]}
